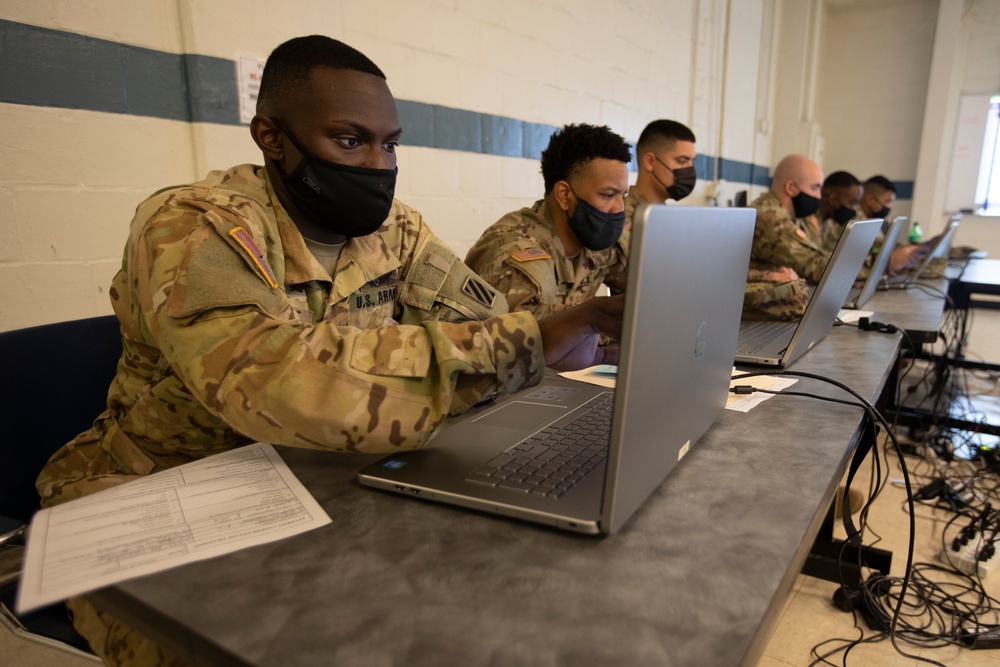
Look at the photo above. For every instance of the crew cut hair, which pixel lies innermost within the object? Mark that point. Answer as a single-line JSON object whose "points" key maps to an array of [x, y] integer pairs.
{"points": [[840, 179], [880, 182], [290, 64], [662, 135], [574, 146]]}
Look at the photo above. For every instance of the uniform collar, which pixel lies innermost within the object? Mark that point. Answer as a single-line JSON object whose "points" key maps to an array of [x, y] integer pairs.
{"points": [[362, 260]]}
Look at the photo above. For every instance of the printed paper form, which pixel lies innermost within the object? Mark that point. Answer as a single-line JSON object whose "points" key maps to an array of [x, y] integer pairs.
{"points": [[605, 375], [207, 508]]}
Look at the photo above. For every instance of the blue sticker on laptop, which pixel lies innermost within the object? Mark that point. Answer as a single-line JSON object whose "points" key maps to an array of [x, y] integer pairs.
{"points": [[395, 465]]}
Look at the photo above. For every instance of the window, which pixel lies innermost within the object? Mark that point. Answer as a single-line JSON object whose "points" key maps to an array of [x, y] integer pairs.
{"points": [[988, 186]]}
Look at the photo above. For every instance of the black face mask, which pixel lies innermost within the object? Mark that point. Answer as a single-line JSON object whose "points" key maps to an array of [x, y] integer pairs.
{"points": [[843, 214], [684, 180], [882, 213], [595, 229], [351, 201], [805, 205]]}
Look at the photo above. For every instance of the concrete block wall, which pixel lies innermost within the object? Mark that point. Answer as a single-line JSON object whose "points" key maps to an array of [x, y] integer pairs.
{"points": [[874, 66], [75, 165]]}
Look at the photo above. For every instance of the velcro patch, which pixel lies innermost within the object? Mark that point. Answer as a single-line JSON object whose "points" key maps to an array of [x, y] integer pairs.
{"points": [[246, 241], [479, 291], [530, 254]]}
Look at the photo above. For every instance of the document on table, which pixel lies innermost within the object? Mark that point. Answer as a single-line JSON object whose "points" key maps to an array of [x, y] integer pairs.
{"points": [[848, 316], [206, 508], [605, 375]]}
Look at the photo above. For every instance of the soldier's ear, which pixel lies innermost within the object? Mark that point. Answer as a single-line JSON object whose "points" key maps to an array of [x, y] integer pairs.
{"points": [[265, 135], [562, 194]]}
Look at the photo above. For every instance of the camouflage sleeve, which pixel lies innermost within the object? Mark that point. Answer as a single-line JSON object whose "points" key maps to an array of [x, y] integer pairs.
{"points": [[617, 275], [830, 232], [229, 338], [768, 300], [528, 285], [778, 242]]}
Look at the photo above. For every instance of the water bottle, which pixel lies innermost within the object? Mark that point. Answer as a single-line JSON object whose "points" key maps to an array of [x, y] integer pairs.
{"points": [[915, 233]]}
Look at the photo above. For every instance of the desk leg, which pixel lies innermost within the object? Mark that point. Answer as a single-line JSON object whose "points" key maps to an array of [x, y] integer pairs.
{"points": [[834, 560]]}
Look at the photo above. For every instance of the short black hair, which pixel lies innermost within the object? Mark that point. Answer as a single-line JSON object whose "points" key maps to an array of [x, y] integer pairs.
{"points": [[840, 179], [574, 146], [290, 64], [665, 132], [881, 182]]}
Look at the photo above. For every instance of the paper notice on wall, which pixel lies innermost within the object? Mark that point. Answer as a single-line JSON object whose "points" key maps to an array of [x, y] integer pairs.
{"points": [[207, 508]]}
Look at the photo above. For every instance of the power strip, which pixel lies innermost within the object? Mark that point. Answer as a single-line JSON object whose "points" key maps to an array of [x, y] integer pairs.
{"points": [[964, 560]]}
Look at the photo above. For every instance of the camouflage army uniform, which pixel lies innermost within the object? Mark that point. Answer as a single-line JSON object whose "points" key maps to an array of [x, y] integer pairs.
{"points": [[830, 232], [764, 299], [632, 202], [521, 256], [833, 230], [779, 240], [233, 332]]}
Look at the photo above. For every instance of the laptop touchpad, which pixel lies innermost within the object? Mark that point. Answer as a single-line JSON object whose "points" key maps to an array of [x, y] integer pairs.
{"points": [[522, 416]]}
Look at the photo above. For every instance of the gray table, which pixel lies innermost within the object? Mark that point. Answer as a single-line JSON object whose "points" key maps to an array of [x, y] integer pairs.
{"points": [[698, 576], [918, 309]]}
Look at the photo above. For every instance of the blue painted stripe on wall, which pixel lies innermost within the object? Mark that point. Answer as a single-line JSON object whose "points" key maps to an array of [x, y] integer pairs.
{"points": [[52, 68]]}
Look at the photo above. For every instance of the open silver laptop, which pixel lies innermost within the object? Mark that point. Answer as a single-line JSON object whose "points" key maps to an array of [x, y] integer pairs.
{"points": [[686, 279], [859, 295], [780, 343], [940, 247]]}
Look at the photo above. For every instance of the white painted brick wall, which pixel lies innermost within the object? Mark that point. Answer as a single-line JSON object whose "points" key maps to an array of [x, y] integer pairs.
{"points": [[70, 180], [874, 67]]}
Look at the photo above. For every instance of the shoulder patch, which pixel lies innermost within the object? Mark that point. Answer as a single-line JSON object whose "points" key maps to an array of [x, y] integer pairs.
{"points": [[479, 291], [530, 254], [246, 242]]}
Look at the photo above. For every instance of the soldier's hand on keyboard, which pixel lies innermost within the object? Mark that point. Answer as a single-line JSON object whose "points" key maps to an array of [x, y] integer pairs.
{"points": [[570, 337]]}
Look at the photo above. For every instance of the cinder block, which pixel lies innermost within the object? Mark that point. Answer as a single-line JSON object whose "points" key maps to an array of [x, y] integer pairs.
{"points": [[433, 172], [522, 180], [73, 225], [36, 142], [455, 34], [43, 293], [480, 176], [10, 239]]}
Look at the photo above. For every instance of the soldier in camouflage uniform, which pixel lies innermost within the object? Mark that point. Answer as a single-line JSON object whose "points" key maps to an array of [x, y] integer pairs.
{"points": [[787, 248], [786, 232], [557, 252], [841, 197], [665, 155], [298, 303]]}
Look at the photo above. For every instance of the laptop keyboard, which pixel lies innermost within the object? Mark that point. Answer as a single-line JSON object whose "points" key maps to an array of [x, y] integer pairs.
{"points": [[555, 459], [755, 336]]}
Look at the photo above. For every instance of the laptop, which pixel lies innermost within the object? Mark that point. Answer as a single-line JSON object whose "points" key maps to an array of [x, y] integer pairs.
{"points": [[940, 246], [859, 296], [770, 343], [684, 295]]}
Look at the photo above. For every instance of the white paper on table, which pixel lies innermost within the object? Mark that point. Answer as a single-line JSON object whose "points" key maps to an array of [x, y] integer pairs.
{"points": [[605, 376], [745, 402], [848, 316], [206, 508]]}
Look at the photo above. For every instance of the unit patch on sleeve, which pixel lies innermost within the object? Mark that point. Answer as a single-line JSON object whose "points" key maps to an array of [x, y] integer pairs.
{"points": [[479, 291], [530, 254], [246, 242]]}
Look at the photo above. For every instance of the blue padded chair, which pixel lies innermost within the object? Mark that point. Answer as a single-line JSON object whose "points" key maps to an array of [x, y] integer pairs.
{"points": [[56, 379]]}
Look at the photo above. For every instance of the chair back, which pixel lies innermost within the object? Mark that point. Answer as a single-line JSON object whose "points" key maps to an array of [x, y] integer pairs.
{"points": [[56, 379]]}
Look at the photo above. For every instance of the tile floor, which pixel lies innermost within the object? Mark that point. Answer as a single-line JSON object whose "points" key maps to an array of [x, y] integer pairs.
{"points": [[809, 616]]}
